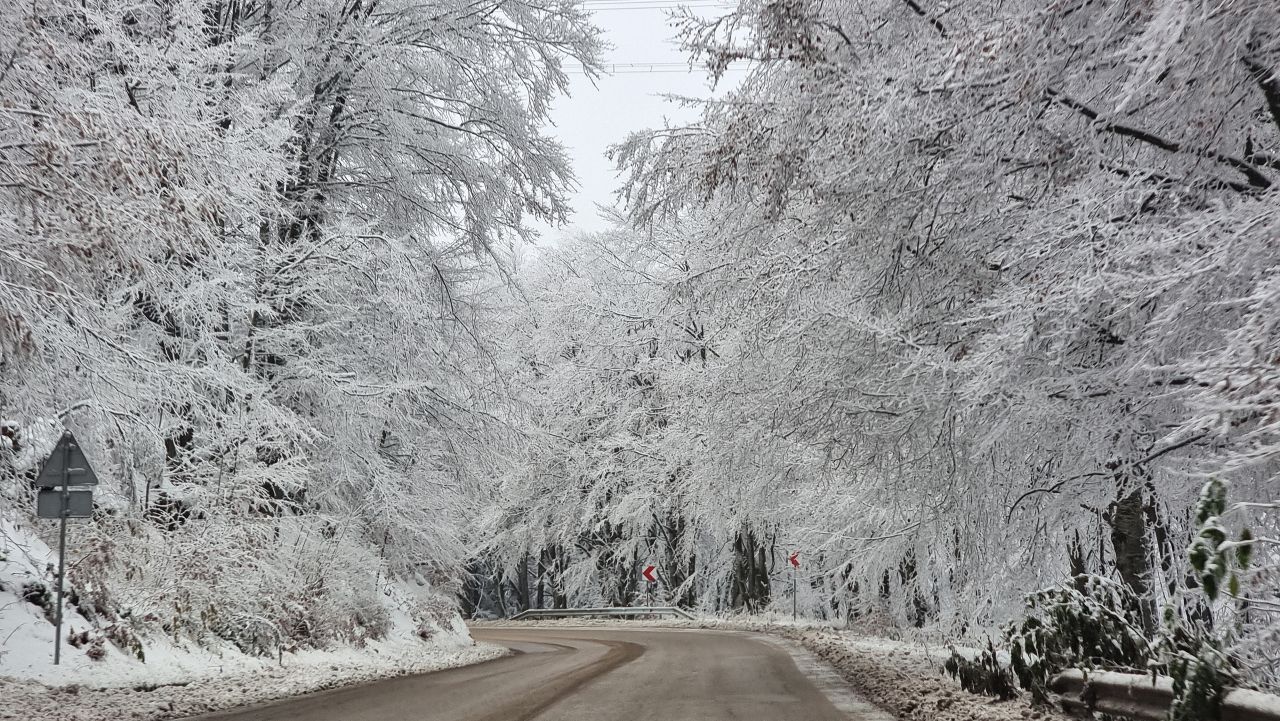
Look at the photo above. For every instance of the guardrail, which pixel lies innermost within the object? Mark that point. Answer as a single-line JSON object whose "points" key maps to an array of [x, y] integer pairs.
{"points": [[1140, 697], [619, 612]]}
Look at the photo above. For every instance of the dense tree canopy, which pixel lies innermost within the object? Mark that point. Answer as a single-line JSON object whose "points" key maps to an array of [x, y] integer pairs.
{"points": [[957, 301], [242, 244]]}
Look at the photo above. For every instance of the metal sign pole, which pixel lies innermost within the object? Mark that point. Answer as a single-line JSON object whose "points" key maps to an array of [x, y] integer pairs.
{"points": [[62, 551], [65, 490], [793, 593]]}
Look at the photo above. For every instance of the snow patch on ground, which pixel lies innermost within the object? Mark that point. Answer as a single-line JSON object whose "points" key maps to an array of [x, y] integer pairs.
{"points": [[181, 678], [907, 680], [249, 681], [26, 635], [828, 680]]}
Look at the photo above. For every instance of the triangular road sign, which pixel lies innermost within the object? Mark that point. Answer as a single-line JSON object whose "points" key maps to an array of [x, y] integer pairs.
{"points": [[66, 464]]}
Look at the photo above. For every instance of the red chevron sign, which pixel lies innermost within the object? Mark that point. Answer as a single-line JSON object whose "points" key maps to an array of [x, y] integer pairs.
{"points": [[648, 573]]}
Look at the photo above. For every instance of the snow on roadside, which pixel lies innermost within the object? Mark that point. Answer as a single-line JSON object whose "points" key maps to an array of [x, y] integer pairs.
{"points": [[304, 672], [26, 589], [907, 680], [180, 677]]}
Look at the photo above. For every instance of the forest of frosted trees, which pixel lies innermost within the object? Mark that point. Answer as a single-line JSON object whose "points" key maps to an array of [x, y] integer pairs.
{"points": [[243, 252], [960, 301]]}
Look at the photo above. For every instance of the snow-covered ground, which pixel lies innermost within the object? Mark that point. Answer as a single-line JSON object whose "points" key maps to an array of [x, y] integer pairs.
{"points": [[906, 679], [179, 677], [244, 682], [26, 634]]}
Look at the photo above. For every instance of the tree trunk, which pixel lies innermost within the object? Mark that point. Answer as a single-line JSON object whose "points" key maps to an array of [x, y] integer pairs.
{"points": [[1075, 558], [676, 567], [542, 576], [917, 609], [1132, 549], [522, 583], [749, 588]]}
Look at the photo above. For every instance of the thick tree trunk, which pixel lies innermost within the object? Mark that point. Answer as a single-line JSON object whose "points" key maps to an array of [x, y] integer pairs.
{"points": [[500, 592], [472, 592], [542, 577], [522, 583], [676, 567], [1075, 557], [559, 565], [917, 608], [1132, 549], [749, 587]]}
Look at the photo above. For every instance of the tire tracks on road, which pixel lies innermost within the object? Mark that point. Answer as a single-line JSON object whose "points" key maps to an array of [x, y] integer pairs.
{"points": [[564, 685]]}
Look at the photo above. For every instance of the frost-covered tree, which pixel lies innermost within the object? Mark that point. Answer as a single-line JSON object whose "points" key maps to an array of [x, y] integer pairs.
{"points": [[246, 252], [987, 286]]}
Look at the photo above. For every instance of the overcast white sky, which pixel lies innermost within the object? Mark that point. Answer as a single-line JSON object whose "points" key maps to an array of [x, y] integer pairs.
{"points": [[627, 99]]}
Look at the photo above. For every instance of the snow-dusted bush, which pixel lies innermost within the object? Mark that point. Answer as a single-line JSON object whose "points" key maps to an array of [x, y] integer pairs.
{"points": [[1194, 648], [1095, 623], [984, 676], [1089, 622]]}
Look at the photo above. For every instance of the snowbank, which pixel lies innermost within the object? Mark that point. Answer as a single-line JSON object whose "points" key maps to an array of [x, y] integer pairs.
{"points": [[27, 569], [180, 677], [238, 683], [907, 680]]}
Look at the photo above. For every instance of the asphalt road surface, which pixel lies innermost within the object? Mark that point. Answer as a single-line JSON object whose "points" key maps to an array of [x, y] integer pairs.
{"points": [[597, 674]]}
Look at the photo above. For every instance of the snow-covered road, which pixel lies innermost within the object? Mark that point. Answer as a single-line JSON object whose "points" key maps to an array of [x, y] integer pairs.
{"points": [[581, 674]]}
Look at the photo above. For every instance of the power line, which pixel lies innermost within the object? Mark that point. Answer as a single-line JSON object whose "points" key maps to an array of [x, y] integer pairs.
{"points": [[654, 4], [628, 66], [671, 2]]}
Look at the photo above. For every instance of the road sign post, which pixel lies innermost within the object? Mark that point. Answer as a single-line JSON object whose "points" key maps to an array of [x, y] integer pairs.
{"points": [[62, 569], [793, 594], [651, 585], [62, 495], [794, 560]]}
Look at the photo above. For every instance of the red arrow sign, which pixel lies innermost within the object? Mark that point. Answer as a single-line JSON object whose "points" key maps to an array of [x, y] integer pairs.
{"points": [[648, 573], [794, 559]]}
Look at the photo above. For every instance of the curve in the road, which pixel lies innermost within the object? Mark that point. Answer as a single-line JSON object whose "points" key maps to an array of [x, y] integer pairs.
{"points": [[538, 699], [593, 674]]}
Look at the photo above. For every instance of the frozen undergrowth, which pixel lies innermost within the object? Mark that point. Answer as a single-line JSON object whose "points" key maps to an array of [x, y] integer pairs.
{"points": [[189, 674], [906, 679]]}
